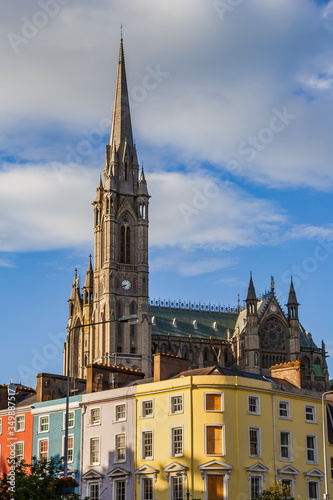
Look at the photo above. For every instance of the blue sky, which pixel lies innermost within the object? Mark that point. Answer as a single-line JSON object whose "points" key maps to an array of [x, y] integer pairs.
{"points": [[232, 116]]}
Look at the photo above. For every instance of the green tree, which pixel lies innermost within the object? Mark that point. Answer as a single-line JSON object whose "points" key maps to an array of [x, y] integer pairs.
{"points": [[277, 491], [35, 481]]}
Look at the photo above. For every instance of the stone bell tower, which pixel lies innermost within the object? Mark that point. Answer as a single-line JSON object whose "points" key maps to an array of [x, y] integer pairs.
{"points": [[116, 284]]}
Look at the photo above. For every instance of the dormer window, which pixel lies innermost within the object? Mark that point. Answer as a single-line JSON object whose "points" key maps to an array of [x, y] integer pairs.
{"points": [[195, 324], [215, 326], [174, 322], [153, 321]]}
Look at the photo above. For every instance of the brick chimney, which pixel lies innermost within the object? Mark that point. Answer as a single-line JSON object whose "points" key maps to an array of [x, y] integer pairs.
{"points": [[293, 372], [101, 377], [167, 365]]}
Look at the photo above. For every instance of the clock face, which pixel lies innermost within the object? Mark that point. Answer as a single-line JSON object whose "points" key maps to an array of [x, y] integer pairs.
{"points": [[126, 284]]}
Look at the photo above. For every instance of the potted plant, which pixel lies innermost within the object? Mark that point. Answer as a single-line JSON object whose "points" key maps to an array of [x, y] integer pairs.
{"points": [[65, 485]]}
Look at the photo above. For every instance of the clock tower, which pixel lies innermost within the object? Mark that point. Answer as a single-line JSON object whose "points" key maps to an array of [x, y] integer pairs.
{"points": [[117, 284]]}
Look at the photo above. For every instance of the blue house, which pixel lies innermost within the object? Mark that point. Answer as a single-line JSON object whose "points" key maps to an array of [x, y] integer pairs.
{"points": [[49, 432]]}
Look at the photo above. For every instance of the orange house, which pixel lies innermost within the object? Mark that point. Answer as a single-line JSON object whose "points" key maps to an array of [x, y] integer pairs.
{"points": [[16, 424]]}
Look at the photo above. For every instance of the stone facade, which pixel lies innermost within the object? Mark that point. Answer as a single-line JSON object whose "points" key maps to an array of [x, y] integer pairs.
{"points": [[118, 284]]}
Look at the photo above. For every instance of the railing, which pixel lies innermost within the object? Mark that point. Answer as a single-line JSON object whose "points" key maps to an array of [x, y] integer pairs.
{"points": [[202, 306], [194, 306]]}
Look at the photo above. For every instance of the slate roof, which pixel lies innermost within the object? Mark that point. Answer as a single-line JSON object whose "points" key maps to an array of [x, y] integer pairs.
{"points": [[205, 320]]}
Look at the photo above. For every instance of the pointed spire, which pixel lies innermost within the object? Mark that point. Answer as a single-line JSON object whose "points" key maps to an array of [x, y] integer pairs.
{"points": [[99, 190], [142, 189], [121, 126], [251, 293], [74, 286], [89, 275], [292, 300], [135, 157], [142, 176]]}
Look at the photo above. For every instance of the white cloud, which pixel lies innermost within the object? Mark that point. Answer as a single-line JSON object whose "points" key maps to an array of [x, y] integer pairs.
{"points": [[304, 231], [196, 210], [44, 207], [49, 206], [224, 79], [6, 263]]}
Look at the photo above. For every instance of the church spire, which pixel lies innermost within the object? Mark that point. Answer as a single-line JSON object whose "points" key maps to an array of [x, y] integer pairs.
{"points": [[292, 302], [251, 299], [251, 293], [121, 126], [88, 284]]}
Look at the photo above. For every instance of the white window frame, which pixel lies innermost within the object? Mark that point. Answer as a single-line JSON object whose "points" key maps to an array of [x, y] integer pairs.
{"points": [[150, 415], [255, 476], [287, 409], [223, 440], [94, 483], [142, 480], [119, 480], [91, 463], [257, 412], [318, 489], [174, 396], [214, 394], [16, 443], [152, 444], [98, 422], [0, 426], [16, 419], [40, 424], [291, 481], [172, 452], [63, 447], [314, 449], [314, 419], [290, 449], [71, 412], [171, 479], [40, 441], [116, 449], [258, 429], [122, 419]]}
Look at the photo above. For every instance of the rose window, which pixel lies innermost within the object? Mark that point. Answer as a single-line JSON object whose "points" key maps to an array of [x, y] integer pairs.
{"points": [[272, 335]]}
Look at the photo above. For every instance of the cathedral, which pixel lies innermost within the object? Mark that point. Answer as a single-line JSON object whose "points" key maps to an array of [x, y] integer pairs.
{"points": [[112, 320]]}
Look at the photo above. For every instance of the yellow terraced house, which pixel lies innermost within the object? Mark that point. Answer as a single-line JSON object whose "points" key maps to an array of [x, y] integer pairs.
{"points": [[218, 434]]}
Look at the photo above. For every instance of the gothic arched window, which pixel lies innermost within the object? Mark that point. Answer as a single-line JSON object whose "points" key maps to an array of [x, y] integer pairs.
{"points": [[125, 244], [205, 355], [133, 310], [142, 211], [119, 336]]}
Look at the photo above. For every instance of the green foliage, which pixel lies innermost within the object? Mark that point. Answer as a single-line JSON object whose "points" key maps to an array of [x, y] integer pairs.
{"points": [[35, 481], [277, 491]]}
